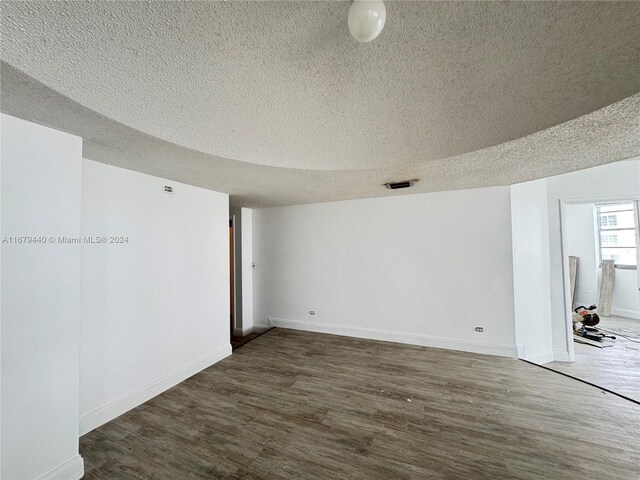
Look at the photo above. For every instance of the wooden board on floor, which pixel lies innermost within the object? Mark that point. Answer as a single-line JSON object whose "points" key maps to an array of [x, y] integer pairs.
{"points": [[573, 275], [607, 279]]}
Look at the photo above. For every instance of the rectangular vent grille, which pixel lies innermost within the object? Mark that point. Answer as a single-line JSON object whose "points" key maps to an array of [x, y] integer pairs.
{"points": [[402, 184]]}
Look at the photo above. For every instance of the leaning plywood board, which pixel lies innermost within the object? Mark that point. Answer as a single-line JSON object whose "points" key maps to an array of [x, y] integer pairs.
{"points": [[573, 272], [606, 287]]}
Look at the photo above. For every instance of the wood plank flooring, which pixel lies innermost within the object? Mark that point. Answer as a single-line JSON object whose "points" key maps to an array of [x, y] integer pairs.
{"points": [[238, 341], [300, 405], [616, 368]]}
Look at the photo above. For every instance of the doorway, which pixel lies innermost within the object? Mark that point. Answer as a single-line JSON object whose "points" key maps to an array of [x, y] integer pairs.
{"points": [[600, 240], [241, 328]]}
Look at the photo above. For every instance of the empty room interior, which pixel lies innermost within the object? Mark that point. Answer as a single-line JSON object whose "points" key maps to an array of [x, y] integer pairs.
{"points": [[319, 240]]}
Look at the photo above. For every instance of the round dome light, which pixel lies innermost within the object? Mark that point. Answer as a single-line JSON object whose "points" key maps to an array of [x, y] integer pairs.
{"points": [[366, 19]]}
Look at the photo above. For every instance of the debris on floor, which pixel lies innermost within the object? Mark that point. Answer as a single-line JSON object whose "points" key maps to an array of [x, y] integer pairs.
{"points": [[585, 320]]}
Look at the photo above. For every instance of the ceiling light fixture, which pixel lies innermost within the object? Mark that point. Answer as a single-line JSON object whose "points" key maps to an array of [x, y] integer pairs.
{"points": [[366, 19]]}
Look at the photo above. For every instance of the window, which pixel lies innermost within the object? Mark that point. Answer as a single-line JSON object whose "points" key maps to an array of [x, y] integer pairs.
{"points": [[617, 233], [608, 221], [609, 240]]}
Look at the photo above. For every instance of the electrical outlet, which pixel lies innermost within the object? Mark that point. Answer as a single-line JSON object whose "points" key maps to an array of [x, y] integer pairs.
{"points": [[479, 329]]}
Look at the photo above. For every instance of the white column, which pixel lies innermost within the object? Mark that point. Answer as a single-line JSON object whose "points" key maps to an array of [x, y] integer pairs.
{"points": [[40, 278]]}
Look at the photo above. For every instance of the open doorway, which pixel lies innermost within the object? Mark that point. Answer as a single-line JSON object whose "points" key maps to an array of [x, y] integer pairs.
{"points": [[600, 241], [242, 329]]}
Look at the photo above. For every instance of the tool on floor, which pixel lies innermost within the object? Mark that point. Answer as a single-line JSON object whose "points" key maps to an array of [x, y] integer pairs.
{"points": [[584, 321], [587, 316]]}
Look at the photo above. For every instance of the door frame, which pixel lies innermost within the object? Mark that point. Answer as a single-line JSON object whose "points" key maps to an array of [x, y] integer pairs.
{"points": [[233, 322], [564, 203]]}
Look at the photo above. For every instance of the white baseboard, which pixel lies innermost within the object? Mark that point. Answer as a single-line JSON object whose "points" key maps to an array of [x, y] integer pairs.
{"points": [[398, 337], [623, 312], [72, 469], [117, 407], [539, 359], [561, 356], [542, 358]]}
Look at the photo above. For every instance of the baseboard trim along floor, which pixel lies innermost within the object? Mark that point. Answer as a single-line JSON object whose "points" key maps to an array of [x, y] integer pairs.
{"points": [[113, 409], [72, 469], [398, 337]]}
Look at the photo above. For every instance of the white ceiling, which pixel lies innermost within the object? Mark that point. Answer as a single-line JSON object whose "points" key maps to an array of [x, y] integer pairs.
{"points": [[274, 102]]}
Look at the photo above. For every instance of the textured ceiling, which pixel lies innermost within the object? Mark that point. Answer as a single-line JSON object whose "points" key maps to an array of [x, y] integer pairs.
{"points": [[607, 135], [283, 83], [274, 102]]}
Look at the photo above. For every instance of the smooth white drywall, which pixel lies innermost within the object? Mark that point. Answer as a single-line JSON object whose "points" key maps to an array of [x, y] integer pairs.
{"points": [[247, 269], [41, 171], [424, 268], [626, 294], [531, 278], [581, 242], [155, 309], [614, 180]]}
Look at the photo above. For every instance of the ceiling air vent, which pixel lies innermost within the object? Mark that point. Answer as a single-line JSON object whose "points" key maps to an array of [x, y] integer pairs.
{"points": [[402, 184]]}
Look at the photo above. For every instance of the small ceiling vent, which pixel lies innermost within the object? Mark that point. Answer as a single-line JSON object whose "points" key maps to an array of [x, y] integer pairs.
{"points": [[402, 184]]}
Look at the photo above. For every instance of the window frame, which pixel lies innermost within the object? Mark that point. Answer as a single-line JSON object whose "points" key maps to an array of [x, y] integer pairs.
{"points": [[602, 228]]}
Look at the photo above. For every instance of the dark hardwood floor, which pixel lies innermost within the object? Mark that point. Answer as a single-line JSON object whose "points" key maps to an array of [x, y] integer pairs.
{"points": [[238, 341], [301, 405]]}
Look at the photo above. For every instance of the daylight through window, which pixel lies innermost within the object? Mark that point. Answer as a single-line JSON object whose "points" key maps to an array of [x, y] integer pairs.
{"points": [[617, 233]]}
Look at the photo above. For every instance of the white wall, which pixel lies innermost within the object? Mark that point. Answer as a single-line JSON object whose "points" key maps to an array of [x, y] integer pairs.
{"points": [[247, 269], [626, 296], [607, 181], [41, 170], [581, 242], [423, 269], [296, 248], [154, 310], [531, 274]]}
